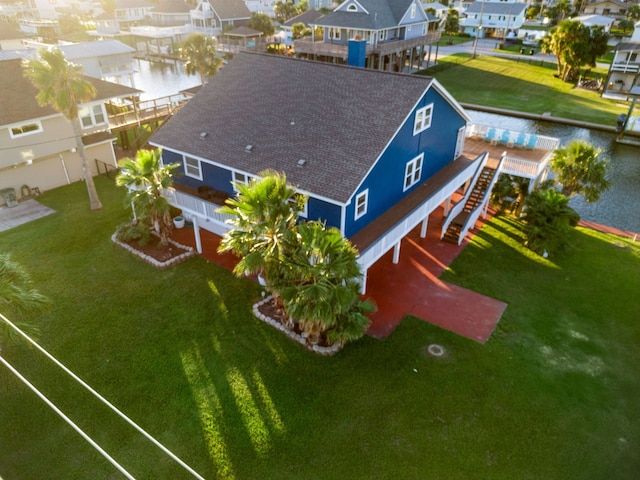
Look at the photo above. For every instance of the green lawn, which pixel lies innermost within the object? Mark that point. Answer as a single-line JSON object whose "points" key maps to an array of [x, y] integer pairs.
{"points": [[526, 86], [553, 394]]}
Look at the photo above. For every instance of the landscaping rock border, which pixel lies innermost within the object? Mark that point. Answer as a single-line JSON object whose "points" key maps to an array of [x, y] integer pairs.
{"points": [[326, 351], [190, 252]]}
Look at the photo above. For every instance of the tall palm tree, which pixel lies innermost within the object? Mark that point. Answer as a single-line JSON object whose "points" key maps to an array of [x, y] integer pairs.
{"points": [[580, 170], [62, 85], [264, 213], [17, 297], [200, 55], [146, 178]]}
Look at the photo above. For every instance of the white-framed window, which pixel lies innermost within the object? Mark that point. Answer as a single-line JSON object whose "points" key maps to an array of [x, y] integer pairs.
{"points": [[382, 35], [92, 115], [423, 119], [362, 202], [25, 129], [192, 167], [413, 10], [240, 178], [352, 8], [413, 171]]}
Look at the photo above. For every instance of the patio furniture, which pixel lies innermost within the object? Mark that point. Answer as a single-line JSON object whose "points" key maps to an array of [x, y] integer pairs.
{"points": [[505, 136], [490, 136], [520, 140], [9, 195], [532, 141]]}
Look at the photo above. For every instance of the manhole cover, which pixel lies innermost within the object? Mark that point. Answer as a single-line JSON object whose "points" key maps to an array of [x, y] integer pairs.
{"points": [[436, 350]]}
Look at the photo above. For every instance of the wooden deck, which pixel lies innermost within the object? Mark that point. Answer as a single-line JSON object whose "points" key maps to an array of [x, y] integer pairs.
{"points": [[474, 147]]}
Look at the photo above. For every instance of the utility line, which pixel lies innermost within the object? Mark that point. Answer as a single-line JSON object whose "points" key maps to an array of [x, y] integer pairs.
{"points": [[105, 401], [68, 420]]}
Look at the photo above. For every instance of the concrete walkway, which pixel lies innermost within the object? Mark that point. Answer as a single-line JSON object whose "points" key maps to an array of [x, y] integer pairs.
{"points": [[26, 211]]}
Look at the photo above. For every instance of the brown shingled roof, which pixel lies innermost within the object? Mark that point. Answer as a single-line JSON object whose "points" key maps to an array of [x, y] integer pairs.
{"points": [[338, 119], [18, 96]]}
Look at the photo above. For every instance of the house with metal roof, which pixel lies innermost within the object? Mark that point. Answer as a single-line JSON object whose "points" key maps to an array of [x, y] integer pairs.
{"points": [[38, 144], [375, 152], [392, 32]]}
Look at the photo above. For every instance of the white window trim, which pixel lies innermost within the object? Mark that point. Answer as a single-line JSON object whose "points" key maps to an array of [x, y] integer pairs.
{"points": [[186, 170], [92, 115], [413, 172], [235, 178], [356, 213], [25, 134], [422, 125]]}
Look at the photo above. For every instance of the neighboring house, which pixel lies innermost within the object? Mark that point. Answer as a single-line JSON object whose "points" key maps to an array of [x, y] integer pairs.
{"points": [[46, 9], [107, 26], [171, 13], [393, 31], [261, 6], [306, 18], [375, 152], [38, 145], [132, 12], [623, 80], [213, 16], [107, 59], [493, 19], [596, 21], [609, 8]]}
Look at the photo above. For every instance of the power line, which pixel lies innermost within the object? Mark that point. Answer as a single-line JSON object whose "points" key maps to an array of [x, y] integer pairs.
{"points": [[105, 401], [67, 419]]}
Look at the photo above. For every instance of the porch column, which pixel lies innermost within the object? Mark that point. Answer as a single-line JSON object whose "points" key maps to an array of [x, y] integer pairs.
{"points": [[396, 252], [196, 233], [363, 283], [447, 205], [423, 230]]}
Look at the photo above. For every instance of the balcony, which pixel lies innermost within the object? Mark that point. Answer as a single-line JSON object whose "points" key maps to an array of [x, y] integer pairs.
{"points": [[626, 67], [383, 48]]}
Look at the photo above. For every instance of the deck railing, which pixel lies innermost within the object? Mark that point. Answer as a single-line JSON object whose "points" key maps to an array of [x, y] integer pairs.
{"points": [[148, 110], [387, 241], [196, 206]]}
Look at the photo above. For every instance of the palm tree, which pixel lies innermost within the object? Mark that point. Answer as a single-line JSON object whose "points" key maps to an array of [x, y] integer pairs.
{"points": [[264, 213], [62, 86], [580, 170], [320, 286], [200, 55], [146, 178], [548, 220], [17, 297]]}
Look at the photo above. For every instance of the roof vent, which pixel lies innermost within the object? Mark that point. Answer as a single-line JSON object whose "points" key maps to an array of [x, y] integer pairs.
{"points": [[248, 148], [301, 162], [203, 135]]}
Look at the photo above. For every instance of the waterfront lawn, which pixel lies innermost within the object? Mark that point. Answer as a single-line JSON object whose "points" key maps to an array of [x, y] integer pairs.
{"points": [[525, 86], [553, 393]]}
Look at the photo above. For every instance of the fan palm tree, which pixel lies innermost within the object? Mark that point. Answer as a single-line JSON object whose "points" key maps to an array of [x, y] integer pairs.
{"points": [[146, 179], [200, 55], [17, 297], [63, 86], [264, 214], [580, 170], [548, 220], [321, 288]]}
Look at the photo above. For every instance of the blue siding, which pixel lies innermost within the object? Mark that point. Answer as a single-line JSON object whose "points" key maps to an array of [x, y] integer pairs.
{"points": [[386, 180], [324, 211]]}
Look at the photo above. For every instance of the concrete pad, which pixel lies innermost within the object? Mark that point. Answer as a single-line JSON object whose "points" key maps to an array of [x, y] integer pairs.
{"points": [[25, 212]]}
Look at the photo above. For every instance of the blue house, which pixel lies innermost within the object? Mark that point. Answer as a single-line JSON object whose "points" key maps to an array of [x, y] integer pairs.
{"points": [[395, 32], [375, 152]]}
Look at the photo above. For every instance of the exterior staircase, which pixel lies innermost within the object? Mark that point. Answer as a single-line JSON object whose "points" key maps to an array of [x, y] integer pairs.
{"points": [[475, 200]]}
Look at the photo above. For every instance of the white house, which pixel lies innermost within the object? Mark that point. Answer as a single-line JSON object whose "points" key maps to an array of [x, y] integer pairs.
{"points": [[623, 80], [493, 19]]}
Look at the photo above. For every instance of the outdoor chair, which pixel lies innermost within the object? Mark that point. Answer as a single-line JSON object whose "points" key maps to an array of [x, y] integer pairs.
{"points": [[520, 140], [505, 137], [490, 136], [532, 141]]}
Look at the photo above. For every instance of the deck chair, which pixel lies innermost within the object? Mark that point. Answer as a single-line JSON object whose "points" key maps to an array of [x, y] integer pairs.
{"points": [[520, 139], [505, 137], [532, 141], [490, 136]]}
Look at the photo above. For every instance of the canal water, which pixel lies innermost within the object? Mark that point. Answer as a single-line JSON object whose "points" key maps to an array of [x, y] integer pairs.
{"points": [[619, 207]]}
